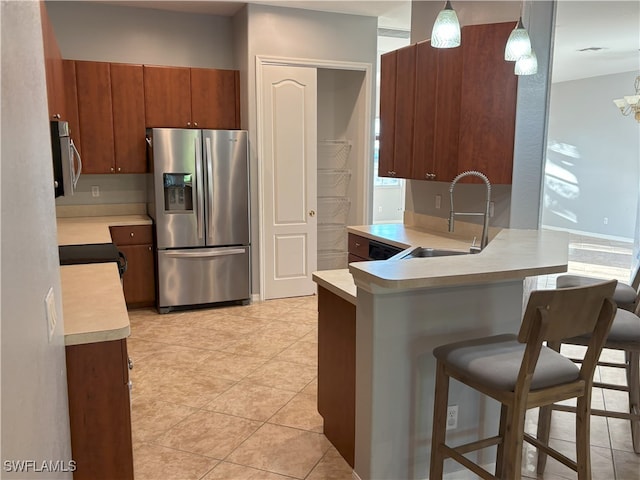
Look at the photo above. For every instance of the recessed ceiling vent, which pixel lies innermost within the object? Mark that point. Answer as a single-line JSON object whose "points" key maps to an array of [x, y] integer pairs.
{"points": [[393, 32], [591, 49]]}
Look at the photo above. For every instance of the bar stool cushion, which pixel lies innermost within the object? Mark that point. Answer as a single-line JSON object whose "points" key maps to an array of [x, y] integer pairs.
{"points": [[624, 293], [625, 328], [495, 361]]}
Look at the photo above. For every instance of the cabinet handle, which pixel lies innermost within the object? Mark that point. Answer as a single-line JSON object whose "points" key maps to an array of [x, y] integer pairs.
{"points": [[195, 124], [357, 245], [119, 169], [149, 248], [130, 385], [112, 169], [312, 213], [56, 115], [430, 176], [131, 234], [130, 363], [188, 124]]}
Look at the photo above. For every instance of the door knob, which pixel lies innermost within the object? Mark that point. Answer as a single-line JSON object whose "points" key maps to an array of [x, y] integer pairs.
{"points": [[312, 213]]}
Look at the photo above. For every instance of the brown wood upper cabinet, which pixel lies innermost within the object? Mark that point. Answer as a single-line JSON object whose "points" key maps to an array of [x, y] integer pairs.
{"points": [[93, 85], [53, 68], [127, 99], [110, 117], [183, 97], [443, 111]]}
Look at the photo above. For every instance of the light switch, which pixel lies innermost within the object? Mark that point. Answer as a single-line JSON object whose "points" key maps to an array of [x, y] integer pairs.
{"points": [[95, 191]]}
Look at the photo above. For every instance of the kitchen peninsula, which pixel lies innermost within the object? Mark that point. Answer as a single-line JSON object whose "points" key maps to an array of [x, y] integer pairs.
{"points": [[404, 309]]}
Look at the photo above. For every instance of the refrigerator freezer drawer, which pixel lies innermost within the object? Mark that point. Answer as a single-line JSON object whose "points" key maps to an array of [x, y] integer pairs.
{"points": [[202, 275]]}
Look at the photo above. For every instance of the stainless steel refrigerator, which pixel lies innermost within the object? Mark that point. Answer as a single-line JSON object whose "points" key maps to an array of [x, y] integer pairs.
{"points": [[199, 202]]}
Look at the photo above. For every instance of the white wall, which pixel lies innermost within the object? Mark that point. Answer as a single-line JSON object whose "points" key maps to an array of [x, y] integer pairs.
{"points": [[590, 139], [35, 419], [111, 33], [516, 205]]}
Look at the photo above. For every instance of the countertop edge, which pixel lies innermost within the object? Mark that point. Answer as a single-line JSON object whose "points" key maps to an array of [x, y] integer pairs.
{"points": [[97, 337], [338, 282]]}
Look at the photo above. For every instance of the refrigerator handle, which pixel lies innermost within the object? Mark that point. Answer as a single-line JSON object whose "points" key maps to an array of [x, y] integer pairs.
{"points": [[199, 188], [209, 166], [220, 253]]}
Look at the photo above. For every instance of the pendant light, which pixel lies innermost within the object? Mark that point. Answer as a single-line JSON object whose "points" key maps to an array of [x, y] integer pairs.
{"points": [[446, 29], [518, 44], [519, 49], [527, 64]]}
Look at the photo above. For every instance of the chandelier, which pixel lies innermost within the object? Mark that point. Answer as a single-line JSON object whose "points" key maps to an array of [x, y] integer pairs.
{"points": [[630, 103]]}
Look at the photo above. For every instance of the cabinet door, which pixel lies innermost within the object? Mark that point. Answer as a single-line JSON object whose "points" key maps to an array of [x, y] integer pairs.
{"points": [[53, 68], [215, 99], [138, 282], [488, 102], [425, 112], [447, 127], [167, 96], [71, 102], [100, 410], [388, 70], [127, 92], [405, 111], [93, 83]]}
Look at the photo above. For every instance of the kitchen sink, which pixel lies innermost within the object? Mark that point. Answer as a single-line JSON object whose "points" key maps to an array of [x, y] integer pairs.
{"points": [[425, 252]]}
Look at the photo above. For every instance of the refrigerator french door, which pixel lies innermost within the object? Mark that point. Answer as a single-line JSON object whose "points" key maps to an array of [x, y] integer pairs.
{"points": [[199, 201]]}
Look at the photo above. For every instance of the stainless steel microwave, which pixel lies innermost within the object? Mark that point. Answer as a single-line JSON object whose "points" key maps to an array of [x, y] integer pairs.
{"points": [[67, 165]]}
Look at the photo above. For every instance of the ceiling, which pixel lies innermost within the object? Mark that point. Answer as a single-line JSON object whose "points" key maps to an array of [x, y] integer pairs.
{"points": [[611, 26]]}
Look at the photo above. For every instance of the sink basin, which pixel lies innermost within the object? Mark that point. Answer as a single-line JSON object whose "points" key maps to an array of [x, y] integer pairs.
{"points": [[423, 252]]}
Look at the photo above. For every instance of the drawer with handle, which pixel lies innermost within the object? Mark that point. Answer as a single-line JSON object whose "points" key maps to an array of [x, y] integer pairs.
{"points": [[132, 235]]}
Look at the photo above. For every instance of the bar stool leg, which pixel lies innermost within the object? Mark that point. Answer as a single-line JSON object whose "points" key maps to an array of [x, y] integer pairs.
{"points": [[633, 381], [438, 436], [544, 427], [583, 423], [501, 432], [512, 463]]}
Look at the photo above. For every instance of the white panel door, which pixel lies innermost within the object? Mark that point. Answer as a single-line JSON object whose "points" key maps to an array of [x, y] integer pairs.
{"points": [[288, 122]]}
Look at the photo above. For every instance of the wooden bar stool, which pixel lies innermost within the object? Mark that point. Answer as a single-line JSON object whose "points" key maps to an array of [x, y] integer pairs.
{"points": [[623, 336], [522, 373], [625, 296]]}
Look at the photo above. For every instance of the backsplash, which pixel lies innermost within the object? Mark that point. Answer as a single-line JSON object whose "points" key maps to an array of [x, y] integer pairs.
{"points": [[112, 189]]}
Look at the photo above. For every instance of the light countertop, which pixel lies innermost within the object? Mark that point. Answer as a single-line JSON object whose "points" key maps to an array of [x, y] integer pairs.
{"points": [[511, 255], [93, 304], [80, 230], [404, 236], [338, 282]]}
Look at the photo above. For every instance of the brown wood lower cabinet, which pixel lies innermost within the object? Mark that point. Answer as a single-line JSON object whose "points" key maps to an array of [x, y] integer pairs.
{"points": [[100, 410], [138, 282], [337, 370]]}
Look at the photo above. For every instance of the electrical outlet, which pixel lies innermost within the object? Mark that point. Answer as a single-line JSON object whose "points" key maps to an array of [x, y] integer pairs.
{"points": [[95, 191], [438, 201], [50, 309], [379, 209], [606, 220], [452, 417], [492, 208]]}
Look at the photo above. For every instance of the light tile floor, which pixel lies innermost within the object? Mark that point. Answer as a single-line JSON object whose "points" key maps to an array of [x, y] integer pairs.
{"points": [[230, 393]]}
